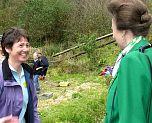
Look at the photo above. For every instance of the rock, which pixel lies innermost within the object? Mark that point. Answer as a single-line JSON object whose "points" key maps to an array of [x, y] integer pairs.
{"points": [[46, 95], [64, 84]]}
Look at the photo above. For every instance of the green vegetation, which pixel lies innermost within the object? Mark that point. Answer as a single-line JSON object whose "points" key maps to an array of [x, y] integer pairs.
{"points": [[56, 25], [61, 22], [85, 105], [57, 21]]}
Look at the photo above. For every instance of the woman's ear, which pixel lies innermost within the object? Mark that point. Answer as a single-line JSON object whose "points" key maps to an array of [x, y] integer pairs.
{"points": [[8, 50]]}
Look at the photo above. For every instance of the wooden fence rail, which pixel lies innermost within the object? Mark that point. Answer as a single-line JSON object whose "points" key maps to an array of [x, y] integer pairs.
{"points": [[81, 53], [67, 50]]}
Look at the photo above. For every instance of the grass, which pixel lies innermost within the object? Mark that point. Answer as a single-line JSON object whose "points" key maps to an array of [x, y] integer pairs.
{"points": [[85, 106]]}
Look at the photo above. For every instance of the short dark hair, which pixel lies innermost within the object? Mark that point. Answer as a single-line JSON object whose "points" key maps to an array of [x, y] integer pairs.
{"points": [[11, 36], [131, 15]]}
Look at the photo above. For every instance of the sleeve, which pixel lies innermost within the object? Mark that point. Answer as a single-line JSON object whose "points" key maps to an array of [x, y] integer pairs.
{"points": [[35, 101], [36, 117], [1, 85], [133, 90]]}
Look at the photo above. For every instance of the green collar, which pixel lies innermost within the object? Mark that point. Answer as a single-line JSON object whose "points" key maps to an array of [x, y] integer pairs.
{"points": [[143, 42]]}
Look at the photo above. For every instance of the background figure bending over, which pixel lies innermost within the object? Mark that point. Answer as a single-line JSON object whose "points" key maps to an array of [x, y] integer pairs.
{"points": [[45, 64], [130, 94]]}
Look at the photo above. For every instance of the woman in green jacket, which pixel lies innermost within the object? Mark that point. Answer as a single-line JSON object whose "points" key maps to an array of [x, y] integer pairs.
{"points": [[130, 93]]}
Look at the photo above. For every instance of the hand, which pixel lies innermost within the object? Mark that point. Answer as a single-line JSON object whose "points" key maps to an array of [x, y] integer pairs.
{"points": [[9, 119], [14, 119]]}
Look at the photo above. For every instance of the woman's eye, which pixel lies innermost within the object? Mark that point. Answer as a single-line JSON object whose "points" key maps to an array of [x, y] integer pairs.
{"points": [[21, 45], [27, 45]]}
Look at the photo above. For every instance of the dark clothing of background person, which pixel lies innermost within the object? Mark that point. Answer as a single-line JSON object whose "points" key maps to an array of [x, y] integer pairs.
{"points": [[37, 67], [45, 64]]}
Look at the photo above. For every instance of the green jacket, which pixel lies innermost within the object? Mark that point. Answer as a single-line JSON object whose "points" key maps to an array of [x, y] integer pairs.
{"points": [[129, 96]]}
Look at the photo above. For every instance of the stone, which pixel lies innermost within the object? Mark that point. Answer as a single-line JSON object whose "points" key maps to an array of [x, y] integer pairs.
{"points": [[46, 95], [64, 84]]}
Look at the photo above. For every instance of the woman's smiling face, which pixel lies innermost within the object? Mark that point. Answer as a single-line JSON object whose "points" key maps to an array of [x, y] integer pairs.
{"points": [[19, 51]]}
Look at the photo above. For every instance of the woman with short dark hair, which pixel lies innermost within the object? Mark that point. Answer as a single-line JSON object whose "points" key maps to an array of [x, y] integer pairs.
{"points": [[18, 100]]}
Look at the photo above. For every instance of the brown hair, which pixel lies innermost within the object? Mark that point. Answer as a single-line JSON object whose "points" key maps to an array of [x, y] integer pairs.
{"points": [[11, 36], [131, 15]]}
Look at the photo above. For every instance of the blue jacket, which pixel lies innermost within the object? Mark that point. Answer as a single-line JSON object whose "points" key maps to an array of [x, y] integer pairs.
{"points": [[11, 97]]}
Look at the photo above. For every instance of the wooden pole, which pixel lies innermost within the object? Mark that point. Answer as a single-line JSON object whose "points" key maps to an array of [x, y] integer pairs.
{"points": [[67, 50]]}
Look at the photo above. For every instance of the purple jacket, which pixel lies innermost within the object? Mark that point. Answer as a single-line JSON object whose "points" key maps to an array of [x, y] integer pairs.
{"points": [[11, 94]]}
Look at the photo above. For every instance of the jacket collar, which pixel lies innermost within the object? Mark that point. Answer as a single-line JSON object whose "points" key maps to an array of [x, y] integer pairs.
{"points": [[7, 74], [137, 46], [141, 43]]}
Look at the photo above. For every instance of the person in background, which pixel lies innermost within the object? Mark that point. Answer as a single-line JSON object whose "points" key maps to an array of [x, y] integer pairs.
{"points": [[130, 93], [18, 100], [45, 64], [37, 69]]}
